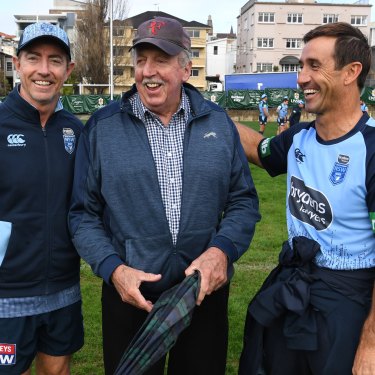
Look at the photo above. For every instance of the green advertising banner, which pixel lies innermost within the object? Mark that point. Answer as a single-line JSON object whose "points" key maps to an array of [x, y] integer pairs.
{"points": [[86, 103], [368, 95], [238, 99], [217, 97]]}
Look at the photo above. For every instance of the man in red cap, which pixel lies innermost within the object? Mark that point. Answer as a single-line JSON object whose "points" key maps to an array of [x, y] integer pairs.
{"points": [[163, 189]]}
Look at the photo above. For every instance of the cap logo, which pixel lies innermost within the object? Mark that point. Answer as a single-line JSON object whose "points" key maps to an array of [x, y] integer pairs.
{"points": [[155, 26]]}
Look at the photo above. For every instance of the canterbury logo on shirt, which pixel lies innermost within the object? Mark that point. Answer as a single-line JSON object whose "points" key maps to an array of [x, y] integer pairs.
{"points": [[16, 140]]}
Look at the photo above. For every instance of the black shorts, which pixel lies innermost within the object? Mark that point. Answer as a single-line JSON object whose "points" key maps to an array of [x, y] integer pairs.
{"points": [[56, 333], [262, 120], [281, 121]]}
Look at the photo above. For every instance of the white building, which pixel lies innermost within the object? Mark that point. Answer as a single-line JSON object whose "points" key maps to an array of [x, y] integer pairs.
{"points": [[221, 59], [269, 34]]}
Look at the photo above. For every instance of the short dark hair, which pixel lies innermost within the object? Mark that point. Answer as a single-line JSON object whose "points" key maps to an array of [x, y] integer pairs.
{"points": [[350, 46]]}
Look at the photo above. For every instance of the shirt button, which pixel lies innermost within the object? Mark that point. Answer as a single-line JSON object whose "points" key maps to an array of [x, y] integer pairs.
{"points": [[169, 154], [171, 180]]}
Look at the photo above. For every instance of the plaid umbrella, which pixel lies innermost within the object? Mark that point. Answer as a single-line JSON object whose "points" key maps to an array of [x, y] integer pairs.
{"points": [[170, 315]]}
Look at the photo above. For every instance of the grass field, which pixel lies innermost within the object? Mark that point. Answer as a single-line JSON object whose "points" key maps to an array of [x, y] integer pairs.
{"points": [[250, 272]]}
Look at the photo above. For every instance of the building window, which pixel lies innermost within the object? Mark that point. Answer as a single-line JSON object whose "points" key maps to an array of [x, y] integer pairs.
{"points": [[289, 68], [9, 66], [194, 73], [118, 71], [330, 18], [293, 43], [265, 42], [195, 53], [266, 17], [118, 50], [194, 33], [216, 49], [118, 31], [294, 18], [358, 20], [246, 24], [264, 67]]}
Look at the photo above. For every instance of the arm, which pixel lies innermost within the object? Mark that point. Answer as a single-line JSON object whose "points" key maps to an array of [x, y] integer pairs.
{"points": [[250, 140], [235, 229], [87, 226], [364, 362]]}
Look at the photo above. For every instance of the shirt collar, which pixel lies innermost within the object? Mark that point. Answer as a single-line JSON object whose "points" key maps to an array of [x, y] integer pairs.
{"points": [[59, 105], [141, 109]]}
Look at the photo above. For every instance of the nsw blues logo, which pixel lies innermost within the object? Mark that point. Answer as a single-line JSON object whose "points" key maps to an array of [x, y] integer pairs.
{"points": [[7, 354], [340, 169], [69, 140]]}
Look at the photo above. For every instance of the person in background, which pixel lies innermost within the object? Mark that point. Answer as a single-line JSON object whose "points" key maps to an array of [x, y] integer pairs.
{"points": [[315, 314], [364, 107], [296, 113], [40, 299], [282, 115], [263, 113], [162, 188]]}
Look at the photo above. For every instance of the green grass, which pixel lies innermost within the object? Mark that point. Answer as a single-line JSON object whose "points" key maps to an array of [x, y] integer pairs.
{"points": [[250, 271]]}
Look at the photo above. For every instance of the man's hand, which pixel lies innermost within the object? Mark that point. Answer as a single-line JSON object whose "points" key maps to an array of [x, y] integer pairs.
{"points": [[212, 264], [364, 362], [127, 282]]}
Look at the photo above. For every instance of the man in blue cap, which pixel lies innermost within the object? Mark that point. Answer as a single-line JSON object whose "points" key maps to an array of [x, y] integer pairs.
{"points": [[263, 113], [40, 301], [162, 189]]}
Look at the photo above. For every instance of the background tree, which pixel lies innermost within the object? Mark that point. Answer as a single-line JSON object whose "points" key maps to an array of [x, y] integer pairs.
{"points": [[91, 49], [5, 86]]}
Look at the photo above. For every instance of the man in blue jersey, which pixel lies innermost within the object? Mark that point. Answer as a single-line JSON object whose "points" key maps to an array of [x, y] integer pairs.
{"points": [[263, 113], [363, 105], [315, 313], [282, 115]]}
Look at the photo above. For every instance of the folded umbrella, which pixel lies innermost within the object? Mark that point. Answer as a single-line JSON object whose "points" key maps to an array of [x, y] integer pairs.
{"points": [[171, 314]]}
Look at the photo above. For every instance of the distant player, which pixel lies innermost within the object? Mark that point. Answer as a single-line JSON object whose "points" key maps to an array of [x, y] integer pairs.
{"points": [[364, 107], [296, 113], [282, 118], [263, 113]]}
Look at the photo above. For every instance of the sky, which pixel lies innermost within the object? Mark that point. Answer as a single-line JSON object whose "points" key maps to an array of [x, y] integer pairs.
{"points": [[224, 13]]}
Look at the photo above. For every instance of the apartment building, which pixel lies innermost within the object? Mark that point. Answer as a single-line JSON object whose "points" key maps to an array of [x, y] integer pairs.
{"points": [[221, 59], [269, 34], [123, 34]]}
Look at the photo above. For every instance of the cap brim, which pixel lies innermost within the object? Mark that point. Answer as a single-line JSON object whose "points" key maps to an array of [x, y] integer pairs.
{"points": [[47, 37], [166, 46]]}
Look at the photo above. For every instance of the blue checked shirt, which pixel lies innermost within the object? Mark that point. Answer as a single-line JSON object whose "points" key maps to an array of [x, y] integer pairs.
{"points": [[166, 144]]}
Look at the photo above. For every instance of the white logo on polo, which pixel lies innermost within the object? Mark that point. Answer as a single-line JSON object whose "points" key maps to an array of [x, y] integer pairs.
{"points": [[210, 134], [16, 140]]}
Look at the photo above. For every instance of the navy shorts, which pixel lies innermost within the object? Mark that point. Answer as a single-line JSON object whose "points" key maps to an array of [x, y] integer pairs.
{"points": [[281, 121], [263, 120], [57, 333]]}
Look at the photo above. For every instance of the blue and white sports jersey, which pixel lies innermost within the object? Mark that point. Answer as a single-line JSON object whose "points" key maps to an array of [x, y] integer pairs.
{"points": [[330, 190], [262, 104], [282, 110]]}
